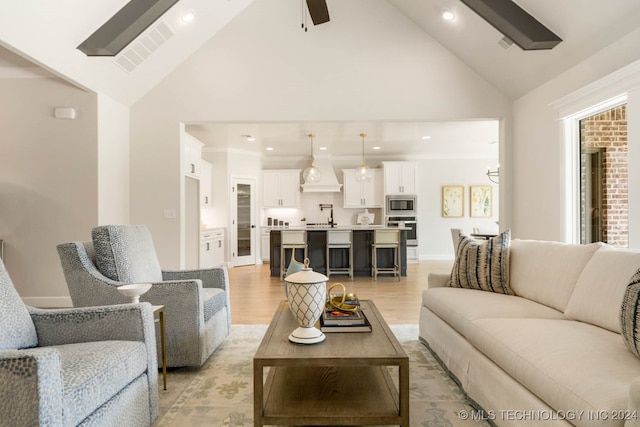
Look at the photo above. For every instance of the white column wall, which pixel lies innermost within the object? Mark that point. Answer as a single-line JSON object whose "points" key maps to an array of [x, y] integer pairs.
{"points": [[113, 162]]}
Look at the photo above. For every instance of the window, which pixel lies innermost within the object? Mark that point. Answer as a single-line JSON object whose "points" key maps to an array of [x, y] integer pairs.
{"points": [[603, 177]]}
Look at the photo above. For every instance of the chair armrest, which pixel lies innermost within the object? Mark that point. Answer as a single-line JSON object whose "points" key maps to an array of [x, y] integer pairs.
{"points": [[216, 277], [31, 392], [127, 322], [438, 280]]}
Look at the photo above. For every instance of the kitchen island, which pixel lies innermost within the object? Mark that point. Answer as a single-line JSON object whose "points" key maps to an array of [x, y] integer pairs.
{"points": [[317, 250]]}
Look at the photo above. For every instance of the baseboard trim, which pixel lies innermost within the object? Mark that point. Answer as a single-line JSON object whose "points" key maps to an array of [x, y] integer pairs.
{"points": [[48, 302]]}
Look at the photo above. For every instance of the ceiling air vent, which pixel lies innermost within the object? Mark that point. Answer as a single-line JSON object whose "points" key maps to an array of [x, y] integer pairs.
{"points": [[146, 44]]}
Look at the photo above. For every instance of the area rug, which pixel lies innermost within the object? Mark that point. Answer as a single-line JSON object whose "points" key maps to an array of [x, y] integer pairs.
{"points": [[220, 393]]}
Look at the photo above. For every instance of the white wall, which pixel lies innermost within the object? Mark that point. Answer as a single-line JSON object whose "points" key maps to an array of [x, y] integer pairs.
{"points": [[536, 203], [48, 182], [258, 69], [113, 162], [434, 230]]}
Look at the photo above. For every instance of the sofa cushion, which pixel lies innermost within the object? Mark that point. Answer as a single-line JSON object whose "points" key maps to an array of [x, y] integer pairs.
{"points": [[92, 373], [630, 315], [458, 307], [215, 299], [482, 264], [546, 272], [569, 365], [125, 253], [17, 329], [597, 296]]}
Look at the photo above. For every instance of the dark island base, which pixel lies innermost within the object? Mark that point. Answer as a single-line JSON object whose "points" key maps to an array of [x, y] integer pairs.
{"points": [[317, 253]]}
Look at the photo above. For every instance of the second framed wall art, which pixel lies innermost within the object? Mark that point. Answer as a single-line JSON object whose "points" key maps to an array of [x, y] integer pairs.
{"points": [[480, 201]]}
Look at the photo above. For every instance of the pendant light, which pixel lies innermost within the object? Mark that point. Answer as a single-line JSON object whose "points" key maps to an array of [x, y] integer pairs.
{"points": [[312, 173], [363, 174]]}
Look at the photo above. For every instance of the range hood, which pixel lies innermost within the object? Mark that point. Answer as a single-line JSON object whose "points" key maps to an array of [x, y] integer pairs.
{"points": [[328, 181]]}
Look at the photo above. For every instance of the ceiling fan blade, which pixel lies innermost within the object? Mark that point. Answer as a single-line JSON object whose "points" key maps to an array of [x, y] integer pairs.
{"points": [[318, 11]]}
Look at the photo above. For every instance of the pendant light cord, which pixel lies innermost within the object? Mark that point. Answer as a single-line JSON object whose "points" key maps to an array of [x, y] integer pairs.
{"points": [[311, 137]]}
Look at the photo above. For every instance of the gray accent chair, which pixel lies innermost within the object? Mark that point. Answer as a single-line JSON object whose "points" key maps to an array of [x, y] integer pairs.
{"points": [[197, 305], [80, 366]]}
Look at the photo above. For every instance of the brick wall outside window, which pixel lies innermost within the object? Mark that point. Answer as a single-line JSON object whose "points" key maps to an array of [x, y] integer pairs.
{"points": [[608, 131]]}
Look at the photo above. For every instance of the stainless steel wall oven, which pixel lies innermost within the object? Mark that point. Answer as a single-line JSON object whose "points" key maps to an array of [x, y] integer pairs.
{"points": [[406, 221]]}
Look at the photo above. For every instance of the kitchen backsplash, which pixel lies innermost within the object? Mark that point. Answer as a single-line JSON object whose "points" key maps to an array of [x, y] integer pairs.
{"points": [[310, 210]]}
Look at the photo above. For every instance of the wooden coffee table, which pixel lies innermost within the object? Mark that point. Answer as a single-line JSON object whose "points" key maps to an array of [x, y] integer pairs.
{"points": [[345, 380]]}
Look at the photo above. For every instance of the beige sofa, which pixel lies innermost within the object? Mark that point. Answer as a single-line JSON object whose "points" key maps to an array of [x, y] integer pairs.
{"points": [[553, 353]]}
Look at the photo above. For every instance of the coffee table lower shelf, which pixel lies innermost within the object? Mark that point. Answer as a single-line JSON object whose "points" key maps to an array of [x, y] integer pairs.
{"points": [[330, 395]]}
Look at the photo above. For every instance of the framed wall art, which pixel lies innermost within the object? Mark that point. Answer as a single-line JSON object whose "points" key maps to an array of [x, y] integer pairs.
{"points": [[452, 201], [480, 201]]}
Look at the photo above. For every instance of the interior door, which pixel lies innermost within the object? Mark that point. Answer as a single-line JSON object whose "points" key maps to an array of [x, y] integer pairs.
{"points": [[243, 220]]}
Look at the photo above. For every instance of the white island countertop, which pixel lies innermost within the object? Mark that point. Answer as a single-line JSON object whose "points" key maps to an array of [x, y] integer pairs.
{"points": [[337, 227]]}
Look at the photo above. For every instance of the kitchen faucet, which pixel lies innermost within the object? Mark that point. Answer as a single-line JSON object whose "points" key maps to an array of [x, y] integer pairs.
{"points": [[328, 206]]}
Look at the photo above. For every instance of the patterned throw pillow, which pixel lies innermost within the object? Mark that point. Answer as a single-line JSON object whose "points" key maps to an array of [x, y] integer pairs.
{"points": [[483, 264], [630, 315]]}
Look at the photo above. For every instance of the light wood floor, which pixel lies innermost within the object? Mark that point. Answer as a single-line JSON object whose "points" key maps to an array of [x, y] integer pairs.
{"points": [[255, 295]]}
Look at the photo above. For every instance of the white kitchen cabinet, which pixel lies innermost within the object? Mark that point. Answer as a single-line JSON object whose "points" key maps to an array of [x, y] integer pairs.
{"points": [[206, 174], [212, 248], [192, 156], [265, 244], [281, 188], [412, 253], [399, 177], [362, 194]]}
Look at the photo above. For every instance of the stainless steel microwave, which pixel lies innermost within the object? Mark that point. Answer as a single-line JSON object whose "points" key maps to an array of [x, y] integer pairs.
{"points": [[401, 205]]}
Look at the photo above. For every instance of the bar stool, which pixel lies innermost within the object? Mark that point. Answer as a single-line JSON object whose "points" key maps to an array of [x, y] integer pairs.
{"points": [[339, 239], [385, 239], [291, 239]]}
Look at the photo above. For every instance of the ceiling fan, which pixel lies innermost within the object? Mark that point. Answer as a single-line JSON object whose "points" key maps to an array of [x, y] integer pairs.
{"points": [[318, 11]]}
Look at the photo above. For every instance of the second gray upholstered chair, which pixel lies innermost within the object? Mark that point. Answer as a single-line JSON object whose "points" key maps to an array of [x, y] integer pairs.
{"points": [[197, 305]]}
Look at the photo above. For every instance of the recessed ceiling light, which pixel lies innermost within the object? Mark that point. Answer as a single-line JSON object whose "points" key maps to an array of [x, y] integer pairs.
{"points": [[188, 16], [323, 148], [269, 148], [448, 15], [375, 148], [426, 137]]}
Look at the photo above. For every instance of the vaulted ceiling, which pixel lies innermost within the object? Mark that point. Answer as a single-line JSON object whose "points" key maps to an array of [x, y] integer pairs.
{"points": [[47, 33]]}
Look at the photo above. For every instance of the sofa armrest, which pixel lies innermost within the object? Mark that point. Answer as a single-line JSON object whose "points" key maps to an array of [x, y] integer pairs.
{"points": [[216, 277], [634, 403], [438, 280], [31, 392]]}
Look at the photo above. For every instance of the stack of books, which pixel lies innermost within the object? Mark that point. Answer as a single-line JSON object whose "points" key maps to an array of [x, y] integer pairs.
{"points": [[335, 320]]}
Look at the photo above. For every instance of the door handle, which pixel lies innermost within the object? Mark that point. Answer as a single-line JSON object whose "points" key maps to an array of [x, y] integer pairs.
{"points": [[253, 226]]}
